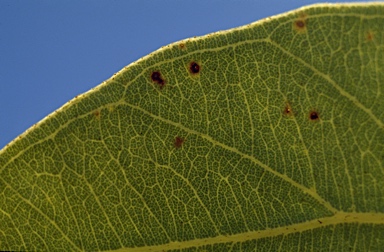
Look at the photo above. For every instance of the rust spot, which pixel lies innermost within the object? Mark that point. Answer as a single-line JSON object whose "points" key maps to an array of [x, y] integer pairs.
{"points": [[314, 116], [178, 142], [194, 68], [158, 79]]}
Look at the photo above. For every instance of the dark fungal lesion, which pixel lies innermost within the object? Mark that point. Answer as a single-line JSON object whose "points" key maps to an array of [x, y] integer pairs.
{"points": [[158, 79], [194, 67], [314, 115], [287, 111], [301, 23]]}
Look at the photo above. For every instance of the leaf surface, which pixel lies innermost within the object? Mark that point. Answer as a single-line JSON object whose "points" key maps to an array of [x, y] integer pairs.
{"points": [[264, 137]]}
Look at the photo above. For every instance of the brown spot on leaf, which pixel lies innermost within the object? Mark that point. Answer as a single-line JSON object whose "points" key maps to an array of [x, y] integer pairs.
{"points": [[370, 36], [314, 115], [182, 46], [287, 110], [158, 79], [194, 68], [300, 24], [97, 114], [178, 142]]}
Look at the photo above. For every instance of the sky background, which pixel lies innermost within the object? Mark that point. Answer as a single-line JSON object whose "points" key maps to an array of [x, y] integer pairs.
{"points": [[51, 50]]}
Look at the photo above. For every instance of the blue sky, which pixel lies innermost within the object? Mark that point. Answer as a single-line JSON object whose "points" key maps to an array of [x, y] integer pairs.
{"points": [[51, 50]]}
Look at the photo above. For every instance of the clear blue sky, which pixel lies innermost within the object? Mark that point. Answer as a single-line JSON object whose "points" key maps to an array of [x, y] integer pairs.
{"points": [[51, 50]]}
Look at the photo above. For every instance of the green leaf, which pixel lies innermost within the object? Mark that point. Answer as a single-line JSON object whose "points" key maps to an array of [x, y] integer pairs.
{"points": [[264, 137]]}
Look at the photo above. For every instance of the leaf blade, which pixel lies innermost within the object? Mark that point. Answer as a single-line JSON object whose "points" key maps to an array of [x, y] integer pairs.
{"points": [[213, 157]]}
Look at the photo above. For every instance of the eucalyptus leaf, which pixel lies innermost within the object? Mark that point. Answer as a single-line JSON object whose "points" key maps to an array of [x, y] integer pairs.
{"points": [[264, 137]]}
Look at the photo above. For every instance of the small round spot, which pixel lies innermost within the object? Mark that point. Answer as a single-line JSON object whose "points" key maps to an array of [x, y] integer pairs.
{"points": [[155, 76], [300, 24], [182, 46], [287, 110], [194, 67], [178, 142], [314, 116]]}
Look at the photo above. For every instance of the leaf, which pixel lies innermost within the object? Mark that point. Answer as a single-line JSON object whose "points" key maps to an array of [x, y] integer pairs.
{"points": [[264, 137]]}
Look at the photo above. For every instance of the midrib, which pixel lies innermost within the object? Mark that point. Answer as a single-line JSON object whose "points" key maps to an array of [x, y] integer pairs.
{"points": [[338, 218]]}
